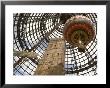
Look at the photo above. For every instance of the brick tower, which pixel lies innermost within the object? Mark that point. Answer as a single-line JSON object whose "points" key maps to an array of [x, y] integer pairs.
{"points": [[52, 62]]}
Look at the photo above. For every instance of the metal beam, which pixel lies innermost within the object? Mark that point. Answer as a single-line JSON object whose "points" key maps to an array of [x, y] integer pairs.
{"points": [[45, 36]]}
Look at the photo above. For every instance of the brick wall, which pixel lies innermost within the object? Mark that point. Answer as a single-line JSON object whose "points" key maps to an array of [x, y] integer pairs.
{"points": [[52, 62]]}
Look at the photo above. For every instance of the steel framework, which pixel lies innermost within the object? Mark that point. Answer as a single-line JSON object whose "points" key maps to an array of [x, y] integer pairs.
{"points": [[32, 32]]}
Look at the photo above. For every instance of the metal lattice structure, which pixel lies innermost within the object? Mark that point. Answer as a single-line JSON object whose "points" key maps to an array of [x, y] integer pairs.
{"points": [[32, 32]]}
